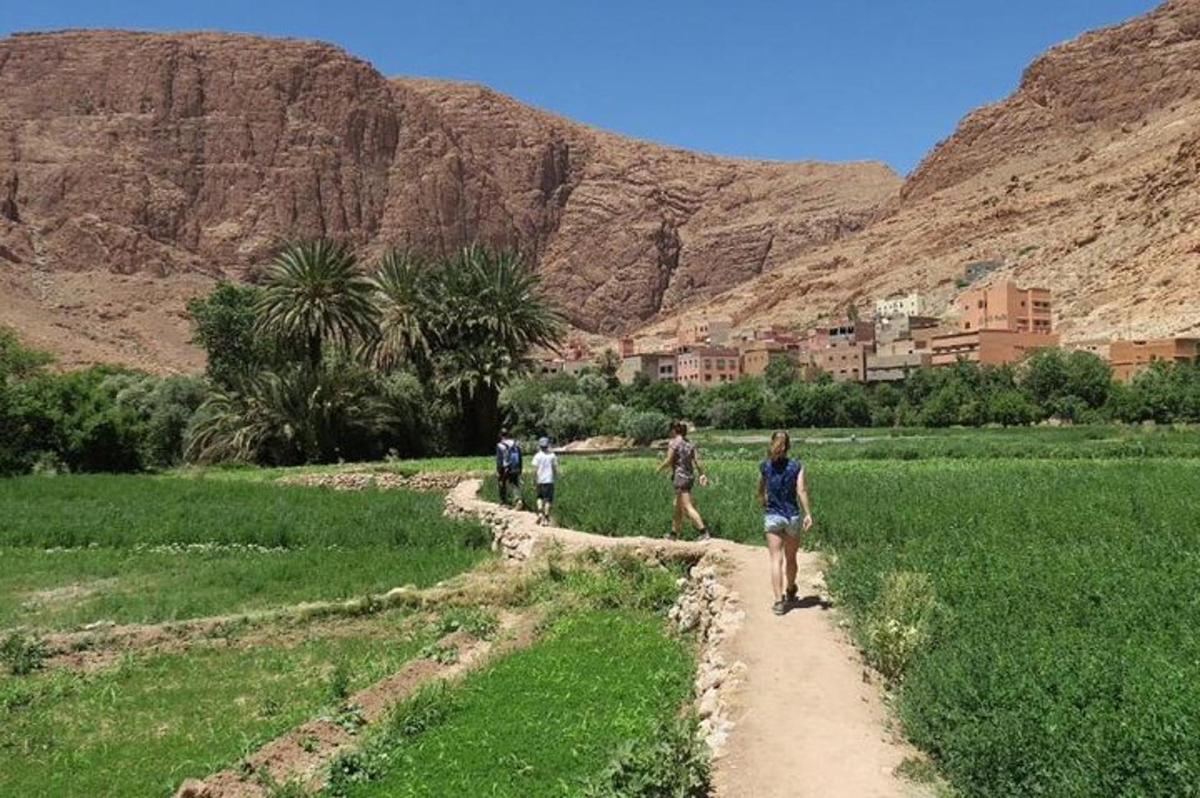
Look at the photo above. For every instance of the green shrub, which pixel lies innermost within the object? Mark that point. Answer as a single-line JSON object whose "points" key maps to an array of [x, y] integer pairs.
{"points": [[670, 762], [644, 426], [898, 623], [22, 654]]}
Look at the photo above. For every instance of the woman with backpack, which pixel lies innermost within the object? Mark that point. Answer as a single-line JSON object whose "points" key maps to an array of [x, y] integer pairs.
{"points": [[782, 492], [683, 461]]}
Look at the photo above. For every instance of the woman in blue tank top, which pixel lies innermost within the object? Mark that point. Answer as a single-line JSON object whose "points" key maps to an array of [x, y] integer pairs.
{"points": [[782, 492]]}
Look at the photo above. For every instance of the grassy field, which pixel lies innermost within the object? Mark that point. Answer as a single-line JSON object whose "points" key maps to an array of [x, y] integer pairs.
{"points": [[123, 548], [1039, 615], [140, 728]]}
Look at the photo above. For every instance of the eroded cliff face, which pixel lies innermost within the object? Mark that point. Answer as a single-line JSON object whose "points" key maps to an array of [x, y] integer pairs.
{"points": [[1086, 181], [137, 168]]}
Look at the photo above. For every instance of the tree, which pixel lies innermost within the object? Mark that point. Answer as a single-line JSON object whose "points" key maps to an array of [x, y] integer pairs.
{"points": [[608, 363], [314, 295], [402, 294], [223, 325], [491, 312], [781, 372]]}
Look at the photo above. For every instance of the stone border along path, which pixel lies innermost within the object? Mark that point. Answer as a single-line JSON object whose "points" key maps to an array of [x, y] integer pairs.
{"points": [[787, 706]]}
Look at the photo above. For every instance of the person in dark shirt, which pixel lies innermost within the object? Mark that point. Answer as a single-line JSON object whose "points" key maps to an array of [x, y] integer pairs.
{"points": [[683, 461], [782, 492]]}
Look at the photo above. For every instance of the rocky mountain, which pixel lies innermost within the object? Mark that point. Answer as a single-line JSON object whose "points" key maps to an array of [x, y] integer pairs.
{"points": [[1086, 181], [136, 169]]}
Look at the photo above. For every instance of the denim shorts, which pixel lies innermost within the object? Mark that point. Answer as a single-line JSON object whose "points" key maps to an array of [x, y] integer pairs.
{"points": [[781, 524]]}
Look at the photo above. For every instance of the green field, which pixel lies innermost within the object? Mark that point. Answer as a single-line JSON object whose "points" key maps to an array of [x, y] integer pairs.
{"points": [[1052, 602], [141, 727], [124, 548], [543, 721]]}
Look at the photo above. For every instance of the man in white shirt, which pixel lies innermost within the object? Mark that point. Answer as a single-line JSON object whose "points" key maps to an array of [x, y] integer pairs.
{"points": [[545, 462]]}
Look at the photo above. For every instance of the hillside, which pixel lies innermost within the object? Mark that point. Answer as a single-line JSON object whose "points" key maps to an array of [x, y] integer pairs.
{"points": [[136, 169], [1084, 180]]}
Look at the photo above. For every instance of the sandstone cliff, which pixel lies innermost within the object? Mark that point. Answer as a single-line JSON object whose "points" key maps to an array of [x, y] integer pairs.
{"points": [[1086, 180], [137, 168]]}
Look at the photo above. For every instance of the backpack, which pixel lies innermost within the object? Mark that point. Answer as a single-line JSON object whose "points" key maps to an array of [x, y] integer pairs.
{"points": [[512, 458]]}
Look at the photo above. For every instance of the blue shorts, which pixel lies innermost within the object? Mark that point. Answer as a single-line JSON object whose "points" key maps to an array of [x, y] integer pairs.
{"points": [[781, 524]]}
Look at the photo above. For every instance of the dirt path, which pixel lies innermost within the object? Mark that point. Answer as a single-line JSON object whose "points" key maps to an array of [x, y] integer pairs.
{"points": [[806, 723], [805, 718]]}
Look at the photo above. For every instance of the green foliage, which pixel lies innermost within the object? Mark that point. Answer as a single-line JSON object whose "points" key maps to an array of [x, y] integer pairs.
{"points": [[313, 296], [669, 762], [781, 372], [567, 417], [542, 721], [898, 624], [644, 426], [223, 324], [22, 654]]}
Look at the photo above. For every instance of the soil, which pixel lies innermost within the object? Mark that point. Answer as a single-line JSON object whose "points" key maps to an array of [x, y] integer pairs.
{"points": [[807, 719]]}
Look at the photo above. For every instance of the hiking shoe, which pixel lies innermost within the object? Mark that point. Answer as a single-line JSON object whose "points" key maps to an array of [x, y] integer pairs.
{"points": [[670, 536], [791, 593], [705, 536], [779, 607]]}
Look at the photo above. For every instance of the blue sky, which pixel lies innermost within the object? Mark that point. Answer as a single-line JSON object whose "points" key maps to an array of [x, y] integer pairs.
{"points": [[837, 80]]}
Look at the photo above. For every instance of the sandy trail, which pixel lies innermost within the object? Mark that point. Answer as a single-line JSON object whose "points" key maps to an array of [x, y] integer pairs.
{"points": [[807, 723]]}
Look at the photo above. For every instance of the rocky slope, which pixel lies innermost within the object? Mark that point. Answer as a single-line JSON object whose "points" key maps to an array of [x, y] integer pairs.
{"points": [[135, 169], [1085, 181]]}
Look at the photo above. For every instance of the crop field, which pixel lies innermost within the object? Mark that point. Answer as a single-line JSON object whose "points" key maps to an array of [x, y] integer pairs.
{"points": [[1036, 616], [137, 719], [82, 549], [142, 725]]}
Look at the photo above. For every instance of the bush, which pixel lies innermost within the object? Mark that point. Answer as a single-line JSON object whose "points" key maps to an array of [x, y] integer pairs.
{"points": [[669, 762], [609, 420], [898, 623], [644, 426], [567, 417], [21, 654]]}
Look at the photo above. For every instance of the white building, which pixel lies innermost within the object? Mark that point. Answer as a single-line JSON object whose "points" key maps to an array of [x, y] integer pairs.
{"points": [[900, 305]]}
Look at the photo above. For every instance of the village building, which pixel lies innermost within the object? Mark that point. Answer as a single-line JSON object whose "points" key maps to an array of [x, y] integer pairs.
{"points": [[895, 360], [988, 347], [1130, 358], [901, 305], [757, 356], [656, 366], [708, 366], [1004, 306], [705, 331]]}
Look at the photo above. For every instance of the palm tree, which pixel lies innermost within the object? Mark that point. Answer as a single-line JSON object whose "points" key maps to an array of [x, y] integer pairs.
{"points": [[315, 294], [402, 295], [491, 313]]}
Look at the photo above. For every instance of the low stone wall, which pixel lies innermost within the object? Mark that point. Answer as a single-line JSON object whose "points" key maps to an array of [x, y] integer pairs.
{"points": [[382, 480], [710, 609]]}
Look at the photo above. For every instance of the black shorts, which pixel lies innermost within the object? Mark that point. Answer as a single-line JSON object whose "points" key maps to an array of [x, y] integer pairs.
{"points": [[545, 491]]}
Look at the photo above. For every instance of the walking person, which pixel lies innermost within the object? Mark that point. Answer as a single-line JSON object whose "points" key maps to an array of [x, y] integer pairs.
{"points": [[782, 492], [683, 463], [545, 463], [508, 468]]}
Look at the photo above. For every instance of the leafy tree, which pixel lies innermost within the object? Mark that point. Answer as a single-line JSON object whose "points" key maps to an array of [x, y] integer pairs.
{"points": [[224, 326], [608, 363], [1010, 408], [645, 426], [568, 417], [781, 372], [314, 295]]}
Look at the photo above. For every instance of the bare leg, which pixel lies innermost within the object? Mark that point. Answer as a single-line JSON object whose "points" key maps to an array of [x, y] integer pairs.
{"points": [[546, 513], [775, 547], [677, 520], [690, 508], [791, 544]]}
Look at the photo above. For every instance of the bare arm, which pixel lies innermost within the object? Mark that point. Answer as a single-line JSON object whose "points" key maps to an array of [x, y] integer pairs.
{"points": [[669, 463], [700, 468], [802, 494]]}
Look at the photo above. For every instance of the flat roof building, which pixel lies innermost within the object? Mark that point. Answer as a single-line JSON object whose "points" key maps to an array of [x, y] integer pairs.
{"points": [[1130, 358], [656, 366], [900, 305], [987, 347], [1004, 306], [708, 366]]}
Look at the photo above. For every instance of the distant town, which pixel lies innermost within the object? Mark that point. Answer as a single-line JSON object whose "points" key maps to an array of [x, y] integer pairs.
{"points": [[993, 324]]}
